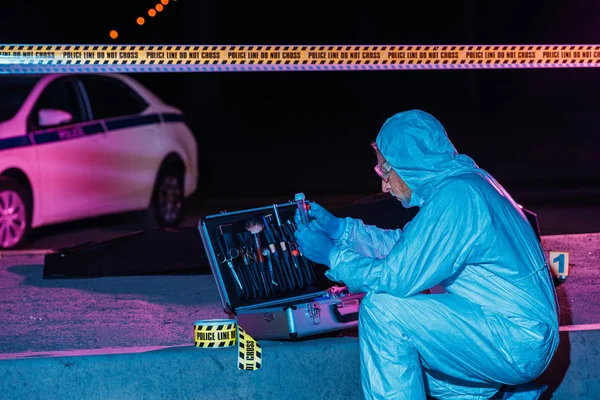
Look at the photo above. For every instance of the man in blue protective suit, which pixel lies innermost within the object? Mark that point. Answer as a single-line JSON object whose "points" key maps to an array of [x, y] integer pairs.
{"points": [[494, 329]]}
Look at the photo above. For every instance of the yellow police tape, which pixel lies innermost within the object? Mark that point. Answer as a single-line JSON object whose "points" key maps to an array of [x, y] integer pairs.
{"points": [[203, 58], [217, 333]]}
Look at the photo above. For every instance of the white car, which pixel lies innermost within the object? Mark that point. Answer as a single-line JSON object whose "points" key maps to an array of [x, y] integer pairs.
{"points": [[78, 146]]}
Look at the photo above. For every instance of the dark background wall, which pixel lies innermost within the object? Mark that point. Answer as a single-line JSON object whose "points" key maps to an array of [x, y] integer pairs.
{"points": [[281, 132]]}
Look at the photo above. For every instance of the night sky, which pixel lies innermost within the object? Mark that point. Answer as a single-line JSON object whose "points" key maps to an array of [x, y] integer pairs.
{"points": [[283, 132]]}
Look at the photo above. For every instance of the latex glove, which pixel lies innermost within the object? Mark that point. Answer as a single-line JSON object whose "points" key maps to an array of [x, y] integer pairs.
{"points": [[314, 245], [324, 221]]}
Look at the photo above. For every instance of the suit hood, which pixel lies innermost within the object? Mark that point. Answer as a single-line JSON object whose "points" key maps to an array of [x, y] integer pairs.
{"points": [[416, 145]]}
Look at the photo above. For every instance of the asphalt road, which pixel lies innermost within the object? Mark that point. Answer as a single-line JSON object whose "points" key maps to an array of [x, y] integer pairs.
{"points": [[51, 315], [554, 218]]}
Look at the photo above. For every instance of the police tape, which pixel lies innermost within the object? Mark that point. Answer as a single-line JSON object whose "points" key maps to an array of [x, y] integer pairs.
{"points": [[206, 58], [219, 333]]}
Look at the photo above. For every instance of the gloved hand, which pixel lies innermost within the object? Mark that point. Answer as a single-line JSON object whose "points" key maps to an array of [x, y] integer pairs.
{"points": [[314, 245], [324, 221]]}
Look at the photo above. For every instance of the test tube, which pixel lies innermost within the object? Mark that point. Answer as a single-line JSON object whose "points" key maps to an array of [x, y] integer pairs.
{"points": [[301, 202]]}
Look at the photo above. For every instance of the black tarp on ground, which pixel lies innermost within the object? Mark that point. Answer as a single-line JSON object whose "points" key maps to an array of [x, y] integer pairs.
{"points": [[166, 251]]}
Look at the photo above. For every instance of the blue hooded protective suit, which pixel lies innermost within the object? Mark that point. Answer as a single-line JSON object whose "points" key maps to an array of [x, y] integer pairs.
{"points": [[496, 323]]}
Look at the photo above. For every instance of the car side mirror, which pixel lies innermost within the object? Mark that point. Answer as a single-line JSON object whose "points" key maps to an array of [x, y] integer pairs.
{"points": [[51, 117]]}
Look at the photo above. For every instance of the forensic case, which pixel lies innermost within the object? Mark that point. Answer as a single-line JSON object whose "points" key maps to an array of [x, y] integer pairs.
{"points": [[274, 292]]}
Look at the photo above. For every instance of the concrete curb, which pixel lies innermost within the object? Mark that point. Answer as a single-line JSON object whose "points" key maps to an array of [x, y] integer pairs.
{"points": [[317, 369], [311, 369]]}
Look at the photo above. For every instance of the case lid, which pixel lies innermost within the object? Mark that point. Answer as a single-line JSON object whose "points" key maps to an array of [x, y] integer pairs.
{"points": [[231, 240]]}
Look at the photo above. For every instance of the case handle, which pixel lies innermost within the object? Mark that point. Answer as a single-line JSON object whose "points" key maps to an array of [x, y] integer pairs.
{"points": [[347, 311]]}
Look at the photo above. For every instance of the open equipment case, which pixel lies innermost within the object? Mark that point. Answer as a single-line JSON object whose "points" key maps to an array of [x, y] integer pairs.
{"points": [[274, 292]]}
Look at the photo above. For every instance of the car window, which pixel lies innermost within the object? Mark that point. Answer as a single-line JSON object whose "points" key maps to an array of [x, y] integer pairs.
{"points": [[111, 98], [13, 93], [60, 94]]}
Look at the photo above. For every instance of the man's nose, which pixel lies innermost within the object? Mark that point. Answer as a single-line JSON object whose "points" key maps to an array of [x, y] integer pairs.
{"points": [[385, 187]]}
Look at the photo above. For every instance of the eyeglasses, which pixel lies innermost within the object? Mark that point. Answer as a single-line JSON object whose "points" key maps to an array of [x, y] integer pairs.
{"points": [[383, 169]]}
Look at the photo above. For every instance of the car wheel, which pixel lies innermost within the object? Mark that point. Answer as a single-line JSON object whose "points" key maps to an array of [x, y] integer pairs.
{"points": [[15, 214], [168, 196]]}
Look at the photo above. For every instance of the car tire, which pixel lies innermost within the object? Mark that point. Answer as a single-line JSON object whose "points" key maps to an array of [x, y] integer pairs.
{"points": [[15, 214], [166, 207]]}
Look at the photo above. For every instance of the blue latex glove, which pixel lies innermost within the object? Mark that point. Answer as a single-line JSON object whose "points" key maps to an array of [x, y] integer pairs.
{"points": [[314, 245], [324, 221]]}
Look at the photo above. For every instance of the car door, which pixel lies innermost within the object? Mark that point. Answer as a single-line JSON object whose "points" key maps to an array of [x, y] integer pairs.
{"points": [[131, 139], [70, 153]]}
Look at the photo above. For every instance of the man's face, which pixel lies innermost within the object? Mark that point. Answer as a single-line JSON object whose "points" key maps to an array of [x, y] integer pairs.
{"points": [[394, 185]]}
